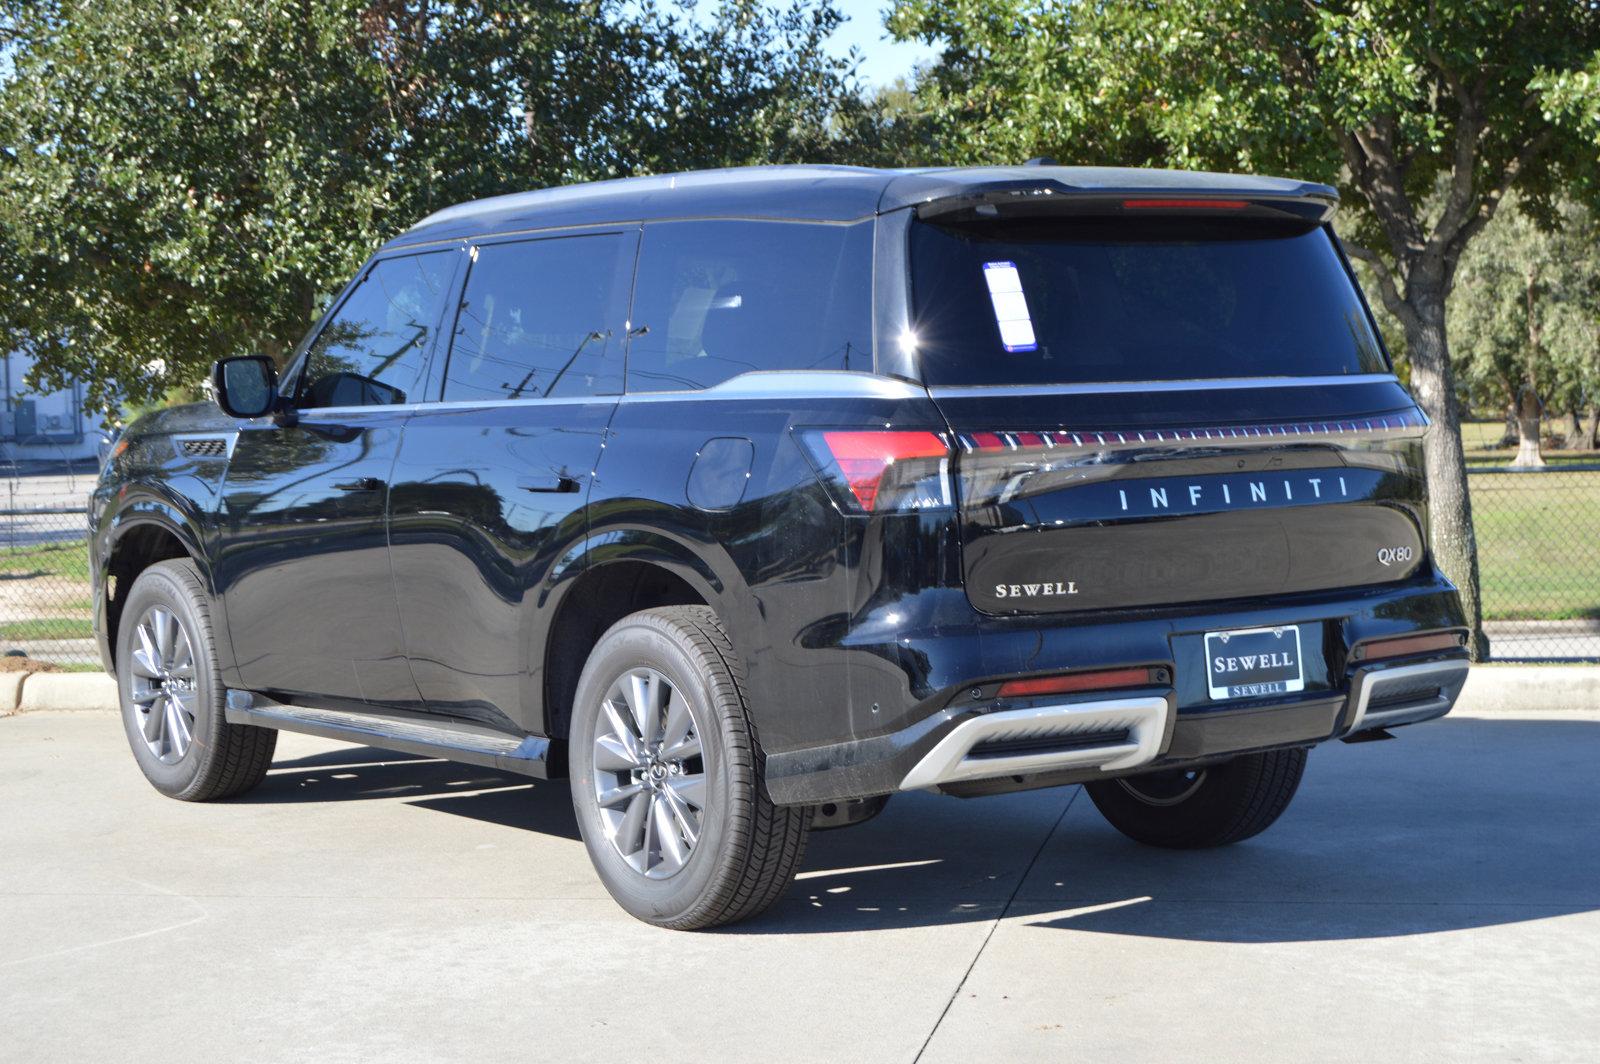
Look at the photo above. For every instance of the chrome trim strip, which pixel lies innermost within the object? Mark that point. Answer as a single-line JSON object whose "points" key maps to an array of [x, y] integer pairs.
{"points": [[1144, 717], [1452, 677], [1203, 384], [795, 384]]}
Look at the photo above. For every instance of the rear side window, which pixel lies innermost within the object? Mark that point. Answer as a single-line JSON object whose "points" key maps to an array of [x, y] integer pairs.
{"points": [[718, 298], [373, 349], [535, 320], [1098, 299]]}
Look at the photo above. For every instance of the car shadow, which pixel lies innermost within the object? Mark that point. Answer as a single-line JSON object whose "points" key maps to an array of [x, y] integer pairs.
{"points": [[363, 773], [1463, 823]]}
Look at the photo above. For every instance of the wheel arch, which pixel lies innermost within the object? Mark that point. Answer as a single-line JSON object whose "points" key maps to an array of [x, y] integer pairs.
{"points": [[144, 532], [609, 577]]}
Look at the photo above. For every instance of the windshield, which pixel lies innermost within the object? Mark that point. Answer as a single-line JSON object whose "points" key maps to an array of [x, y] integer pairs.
{"points": [[1083, 300]]}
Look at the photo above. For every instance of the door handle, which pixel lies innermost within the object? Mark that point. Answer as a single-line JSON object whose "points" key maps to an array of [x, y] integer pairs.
{"points": [[548, 484], [360, 484]]}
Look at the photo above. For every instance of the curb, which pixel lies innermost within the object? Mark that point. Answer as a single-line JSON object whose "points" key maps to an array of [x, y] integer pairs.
{"points": [[39, 692], [1498, 688], [1490, 689]]}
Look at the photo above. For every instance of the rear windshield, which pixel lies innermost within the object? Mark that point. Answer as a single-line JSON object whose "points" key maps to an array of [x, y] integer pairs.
{"points": [[1066, 301]]}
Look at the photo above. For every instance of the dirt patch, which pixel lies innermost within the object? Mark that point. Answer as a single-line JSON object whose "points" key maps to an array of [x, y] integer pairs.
{"points": [[12, 663]]}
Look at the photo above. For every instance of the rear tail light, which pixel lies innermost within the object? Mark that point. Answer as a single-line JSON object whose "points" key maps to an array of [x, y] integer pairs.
{"points": [[1077, 682], [1402, 646], [1185, 204], [885, 470]]}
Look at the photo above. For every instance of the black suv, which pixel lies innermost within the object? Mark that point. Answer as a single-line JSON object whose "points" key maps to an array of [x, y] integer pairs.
{"points": [[748, 498]]}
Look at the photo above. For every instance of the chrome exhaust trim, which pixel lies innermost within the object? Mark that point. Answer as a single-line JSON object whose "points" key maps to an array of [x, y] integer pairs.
{"points": [[1134, 728], [1381, 693]]}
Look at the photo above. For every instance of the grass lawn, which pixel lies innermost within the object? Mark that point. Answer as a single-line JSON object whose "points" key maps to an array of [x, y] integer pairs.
{"points": [[68, 560], [1538, 544], [41, 629], [1481, 440]]}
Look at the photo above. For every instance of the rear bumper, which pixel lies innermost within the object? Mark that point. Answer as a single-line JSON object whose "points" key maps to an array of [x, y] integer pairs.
{"points": [[1003, 746]]}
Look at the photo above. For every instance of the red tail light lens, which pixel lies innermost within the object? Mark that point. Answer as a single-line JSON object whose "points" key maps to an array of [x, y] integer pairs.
{"points": [[1408, 644], [1073, 682], [1186, 204], [887, 469]]}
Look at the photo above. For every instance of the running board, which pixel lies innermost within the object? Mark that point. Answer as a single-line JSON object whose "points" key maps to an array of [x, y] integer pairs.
{"points": [[451, 740]]}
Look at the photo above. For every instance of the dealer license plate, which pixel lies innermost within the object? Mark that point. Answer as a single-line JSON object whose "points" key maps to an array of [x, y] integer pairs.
{"points": [[1252, 662]]}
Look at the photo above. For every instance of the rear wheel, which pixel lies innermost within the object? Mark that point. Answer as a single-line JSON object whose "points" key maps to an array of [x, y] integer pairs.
{"points": [[1197, 808], [666, 776], [172, 693]]}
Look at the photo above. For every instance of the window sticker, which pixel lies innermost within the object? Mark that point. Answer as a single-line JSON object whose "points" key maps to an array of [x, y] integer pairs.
{"points": [[1010, 306]]}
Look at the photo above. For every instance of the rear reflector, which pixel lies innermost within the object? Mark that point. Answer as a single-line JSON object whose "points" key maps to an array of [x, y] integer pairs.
{"points": [[1186, 204], [1407, 644], [1069, 683], [891, 469]]}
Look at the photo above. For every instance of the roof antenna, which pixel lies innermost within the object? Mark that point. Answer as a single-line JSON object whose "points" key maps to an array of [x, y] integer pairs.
{"points": [[1041, 160]]}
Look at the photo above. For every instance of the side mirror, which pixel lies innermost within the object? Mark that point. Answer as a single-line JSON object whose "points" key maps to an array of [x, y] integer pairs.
{"points": [[245, 387]]}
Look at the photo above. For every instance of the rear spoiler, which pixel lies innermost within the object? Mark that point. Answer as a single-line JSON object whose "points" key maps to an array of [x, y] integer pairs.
{"points": [[1309, 204]]}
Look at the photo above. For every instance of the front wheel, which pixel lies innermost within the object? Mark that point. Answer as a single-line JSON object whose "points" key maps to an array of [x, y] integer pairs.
{"points": [[172, 695], [1215, 805], [666, 776]]}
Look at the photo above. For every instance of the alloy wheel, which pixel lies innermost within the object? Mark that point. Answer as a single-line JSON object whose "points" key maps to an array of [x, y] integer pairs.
{"points": [[649, 772], [162, 688]]}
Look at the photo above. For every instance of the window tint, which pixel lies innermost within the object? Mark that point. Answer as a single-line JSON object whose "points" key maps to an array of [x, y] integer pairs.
{"points": [[1084, 300], [722, 298], [375, 347], [534, 320]]}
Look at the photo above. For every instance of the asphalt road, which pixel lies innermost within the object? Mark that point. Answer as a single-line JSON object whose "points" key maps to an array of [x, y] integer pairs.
{"points": [[1435, 898]]}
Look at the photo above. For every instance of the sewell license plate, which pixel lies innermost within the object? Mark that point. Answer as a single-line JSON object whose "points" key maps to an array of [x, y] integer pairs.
{"points": [[1252, 662]]}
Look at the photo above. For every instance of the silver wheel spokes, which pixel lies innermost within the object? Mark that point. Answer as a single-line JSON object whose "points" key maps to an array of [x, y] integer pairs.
{"points": [[163, 684], [649, 773]]}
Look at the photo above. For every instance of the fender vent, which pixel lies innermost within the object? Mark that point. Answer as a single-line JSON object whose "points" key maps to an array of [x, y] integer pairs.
{"points": [[203, 447]]}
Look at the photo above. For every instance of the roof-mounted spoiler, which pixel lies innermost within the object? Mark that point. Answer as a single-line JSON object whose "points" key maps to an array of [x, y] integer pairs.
{"points": [[1309, 204]]}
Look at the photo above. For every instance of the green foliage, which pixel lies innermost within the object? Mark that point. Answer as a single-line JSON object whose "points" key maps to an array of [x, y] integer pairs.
{"points": [[181, 181], [1526, 312]]}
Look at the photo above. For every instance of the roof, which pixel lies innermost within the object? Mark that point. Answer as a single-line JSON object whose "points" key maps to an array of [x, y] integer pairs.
{"points": [[814, 193]]}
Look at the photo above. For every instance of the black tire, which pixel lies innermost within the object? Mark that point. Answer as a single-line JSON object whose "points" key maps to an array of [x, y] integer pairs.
{"points": [[1213, 806], [220, 759], [746, 849]]}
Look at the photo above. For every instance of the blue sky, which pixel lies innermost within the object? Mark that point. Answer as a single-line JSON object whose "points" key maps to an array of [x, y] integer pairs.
{"points": [[883, 60]]}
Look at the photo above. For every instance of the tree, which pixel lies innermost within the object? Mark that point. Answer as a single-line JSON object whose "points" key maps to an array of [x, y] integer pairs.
{"points": [[181, 181], [1525, 309], [1387, 99]]}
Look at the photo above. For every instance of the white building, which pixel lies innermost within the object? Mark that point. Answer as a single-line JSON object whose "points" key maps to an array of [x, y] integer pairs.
{"points": [[43, 427]]}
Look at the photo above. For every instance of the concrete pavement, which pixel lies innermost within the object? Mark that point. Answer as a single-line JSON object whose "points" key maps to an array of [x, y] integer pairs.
{"points": [[1434, 898]]}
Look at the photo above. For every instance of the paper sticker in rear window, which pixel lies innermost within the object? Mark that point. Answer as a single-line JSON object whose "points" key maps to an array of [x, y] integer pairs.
{"points": [[1010, 306]]}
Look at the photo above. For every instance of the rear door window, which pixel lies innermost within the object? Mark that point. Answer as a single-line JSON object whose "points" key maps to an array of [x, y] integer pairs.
{"points": [[1093, 299], [535, 319], [714, 299]]}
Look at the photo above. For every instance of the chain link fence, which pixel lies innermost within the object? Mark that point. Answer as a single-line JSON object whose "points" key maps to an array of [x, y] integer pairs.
{"points": [[45, 606], [1538, 550], [1539, 560]]}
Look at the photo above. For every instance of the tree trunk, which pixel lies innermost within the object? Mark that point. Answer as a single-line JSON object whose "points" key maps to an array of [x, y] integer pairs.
{"points": [[1452, 540], [1509, 436], [1528, 453], [1574, 432], [1592, 437]]}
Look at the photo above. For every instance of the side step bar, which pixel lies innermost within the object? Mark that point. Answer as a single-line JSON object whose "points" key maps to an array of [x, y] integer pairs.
{"points": [[451, 740]]}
